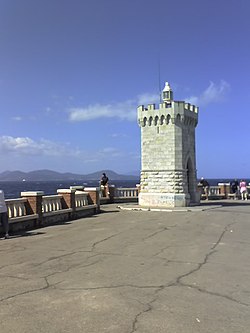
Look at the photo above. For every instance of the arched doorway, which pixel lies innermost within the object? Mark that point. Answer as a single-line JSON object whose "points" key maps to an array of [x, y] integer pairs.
{"points": [[191, 181]]}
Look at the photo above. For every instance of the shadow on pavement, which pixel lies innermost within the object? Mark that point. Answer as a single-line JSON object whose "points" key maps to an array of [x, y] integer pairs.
{"points": [[225, 203], [109, 211], [24, 234]]}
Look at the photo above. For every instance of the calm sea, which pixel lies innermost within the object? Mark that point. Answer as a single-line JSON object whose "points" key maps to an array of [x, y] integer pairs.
{"points": [[13, 189]]}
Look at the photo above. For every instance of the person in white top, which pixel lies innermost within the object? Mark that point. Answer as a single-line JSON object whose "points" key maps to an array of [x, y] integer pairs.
{"points": [[243, 189], [4, 215]]}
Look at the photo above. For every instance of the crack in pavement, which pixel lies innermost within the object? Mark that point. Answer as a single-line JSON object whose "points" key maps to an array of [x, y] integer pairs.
{"points": [[159, 231], [15, 264], [214, 294], [161, 251], [14, 277], [112, 287], [72, 266], [136, 319], [104, 240], [25, 292], [60, 257], [148, 306], [200, 265], [178, 282], [46, 279], [212, 250]]}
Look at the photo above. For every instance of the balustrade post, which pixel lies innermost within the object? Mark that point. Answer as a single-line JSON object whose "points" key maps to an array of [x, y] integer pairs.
{"points": [[93, 196], [68, 198], [111, 193], [34, 203], [77, 188], [224, 189]]}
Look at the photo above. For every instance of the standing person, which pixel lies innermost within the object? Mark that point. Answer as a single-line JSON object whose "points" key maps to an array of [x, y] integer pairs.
{"points": [[4, 215], [243, 189], [104, 183], [205, 185], [235, 188]]}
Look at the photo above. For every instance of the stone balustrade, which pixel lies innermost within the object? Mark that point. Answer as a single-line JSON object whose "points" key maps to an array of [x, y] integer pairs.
{"points": [[19, 213], [214, 190], [126, 192], [34, 209], [222, 191], [51, 203], [81, 200], [16, 207]]}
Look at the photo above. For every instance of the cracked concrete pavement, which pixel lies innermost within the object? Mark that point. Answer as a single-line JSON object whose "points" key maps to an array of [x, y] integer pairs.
{"points": [[130, 271]]}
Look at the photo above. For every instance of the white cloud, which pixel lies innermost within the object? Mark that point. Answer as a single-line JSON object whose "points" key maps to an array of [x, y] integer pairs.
{"points": [[107, 153], [122, 111], [109, 150], [48, 109], [212, 94], [17, 118], [25, 153], [148, 98], [118, 135], [27, 146], [126, 110]]}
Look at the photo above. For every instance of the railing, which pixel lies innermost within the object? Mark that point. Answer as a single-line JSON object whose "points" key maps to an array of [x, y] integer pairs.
{"points": [[214, 190], [51, 203], [81, 200], [16, 207], [17, 211], [126, 192], [34, 209]]}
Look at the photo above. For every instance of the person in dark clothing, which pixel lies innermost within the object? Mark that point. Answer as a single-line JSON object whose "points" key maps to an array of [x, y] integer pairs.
{"points": [[104, 185], [4, 215], [205, 185], [104, 179], [235, 188]]}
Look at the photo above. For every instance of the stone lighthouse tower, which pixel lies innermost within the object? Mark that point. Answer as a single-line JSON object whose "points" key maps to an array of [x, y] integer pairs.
{"points": [[168, 161]]}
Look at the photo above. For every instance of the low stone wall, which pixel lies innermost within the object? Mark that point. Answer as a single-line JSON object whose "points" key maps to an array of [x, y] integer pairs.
{"points": [[35, 210], [221, 191]]}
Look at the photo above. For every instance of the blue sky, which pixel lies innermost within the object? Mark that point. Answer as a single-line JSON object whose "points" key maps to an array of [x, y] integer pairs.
{"points": [[72, 73]]}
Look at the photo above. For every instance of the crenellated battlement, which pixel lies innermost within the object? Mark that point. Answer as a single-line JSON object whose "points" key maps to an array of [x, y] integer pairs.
{"points": [[172, 112], [169, 105]]}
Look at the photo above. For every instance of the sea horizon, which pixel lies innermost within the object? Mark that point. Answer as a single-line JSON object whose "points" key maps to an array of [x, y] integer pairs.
{"points": [[13, 189]]}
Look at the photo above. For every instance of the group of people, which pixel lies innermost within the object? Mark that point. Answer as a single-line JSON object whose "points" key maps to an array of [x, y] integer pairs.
{"points": [[237, 188]]}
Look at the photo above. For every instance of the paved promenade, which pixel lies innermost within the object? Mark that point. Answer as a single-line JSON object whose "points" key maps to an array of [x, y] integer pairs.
{"points": [[128, 271]]}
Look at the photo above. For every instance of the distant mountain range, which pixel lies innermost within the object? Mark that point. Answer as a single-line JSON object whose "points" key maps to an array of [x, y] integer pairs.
{"points": [[47, 175]]}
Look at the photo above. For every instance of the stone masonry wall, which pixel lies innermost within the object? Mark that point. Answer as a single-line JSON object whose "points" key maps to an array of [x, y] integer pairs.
{"points": [[169, 181], [156, 154]]}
